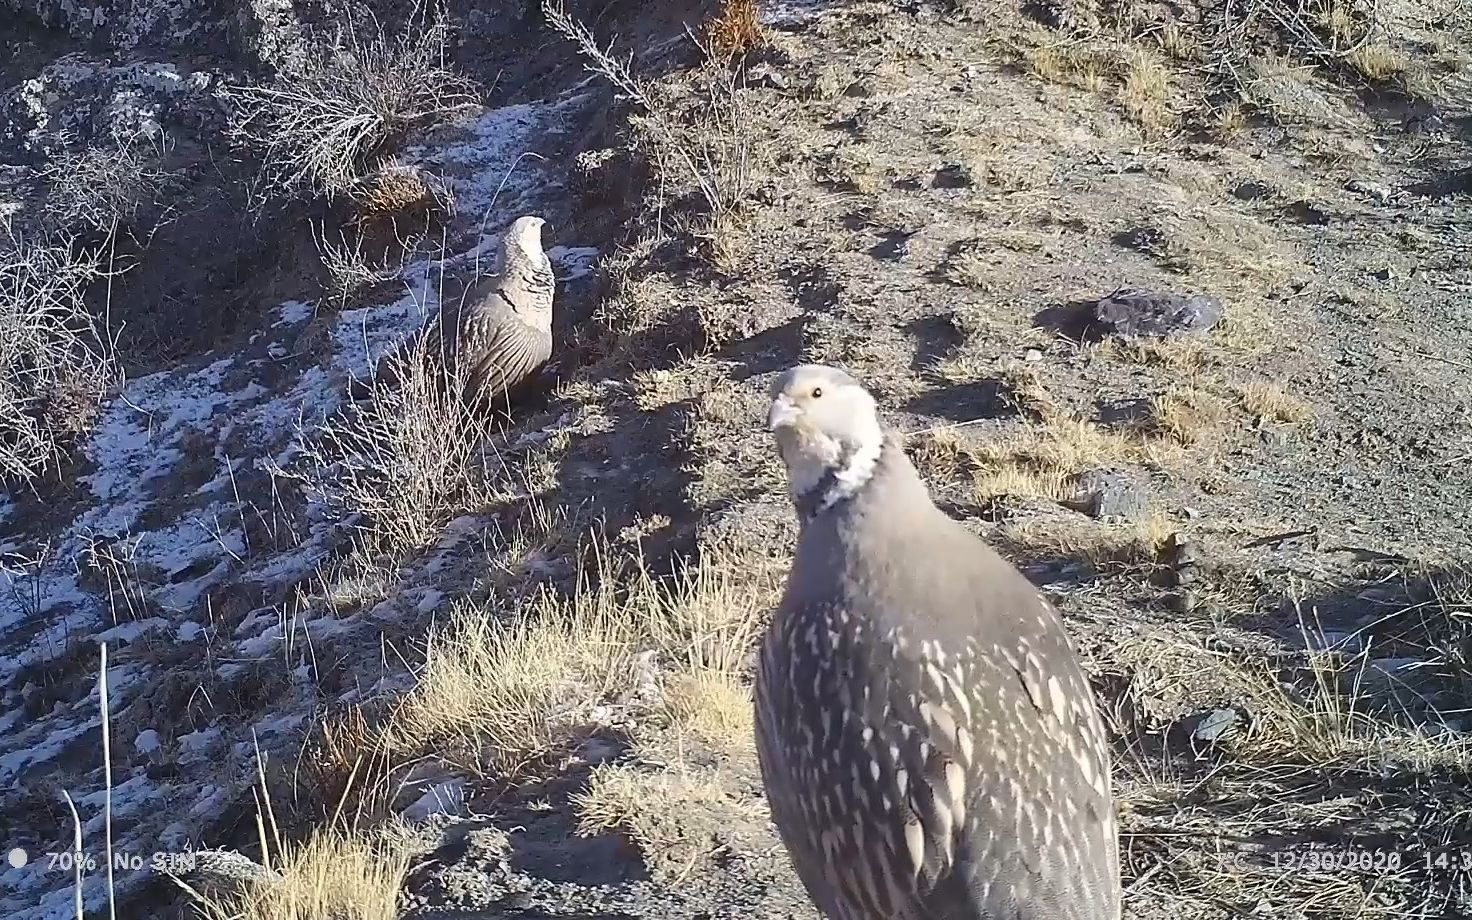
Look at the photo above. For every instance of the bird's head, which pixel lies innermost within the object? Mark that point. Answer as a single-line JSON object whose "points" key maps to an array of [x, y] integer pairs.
{"points": [[827, 430], [523, 240]]}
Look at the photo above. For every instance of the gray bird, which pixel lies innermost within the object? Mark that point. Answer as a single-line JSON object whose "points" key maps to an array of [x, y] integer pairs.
{"points": [[499, 331], [927, 738]]}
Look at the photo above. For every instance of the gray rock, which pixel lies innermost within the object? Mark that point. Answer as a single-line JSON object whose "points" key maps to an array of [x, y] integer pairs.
{"points": [[255, 31], [77, 101], [1112, 493], [219, 874], [1132, 312], [1213, 725]]}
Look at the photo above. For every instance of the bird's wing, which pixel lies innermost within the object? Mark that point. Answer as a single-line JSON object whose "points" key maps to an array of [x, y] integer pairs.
{"points": [[502, 353], [1016, 805], [986, 738]]}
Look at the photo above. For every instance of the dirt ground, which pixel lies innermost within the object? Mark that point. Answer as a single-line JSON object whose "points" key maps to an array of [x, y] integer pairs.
{"points": [[1256, 532]]}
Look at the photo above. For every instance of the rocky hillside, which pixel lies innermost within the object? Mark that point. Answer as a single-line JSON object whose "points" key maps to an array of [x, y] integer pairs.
{"points": [[1171, 300]]}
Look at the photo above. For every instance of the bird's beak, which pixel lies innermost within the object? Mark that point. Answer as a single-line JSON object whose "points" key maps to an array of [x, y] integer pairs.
{"points": [[783, 413]]}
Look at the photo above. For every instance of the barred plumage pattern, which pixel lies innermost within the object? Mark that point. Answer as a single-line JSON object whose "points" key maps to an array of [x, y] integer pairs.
{"points": [[499, 332], [929, 744]]}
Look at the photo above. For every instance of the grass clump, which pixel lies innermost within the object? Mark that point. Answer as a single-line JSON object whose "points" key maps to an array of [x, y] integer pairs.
{"points": [[332, 876], [735, 30], [507, 695], [325, 123], [56, 359], [405, 461], [1270, 402]]}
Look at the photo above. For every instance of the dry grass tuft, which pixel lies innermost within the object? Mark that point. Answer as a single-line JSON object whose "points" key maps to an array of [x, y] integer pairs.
{"points": [[735, 30], [1040, 460], [402, 193], [501, 696], [1270, 402], [329, 121], [56, 361], [332, 876], [714, 706], [410, 458], [1146, 92], [1188, 417], [1127, 546], [1378, 63], [673, 815], [507, 695], [1332, 721]]}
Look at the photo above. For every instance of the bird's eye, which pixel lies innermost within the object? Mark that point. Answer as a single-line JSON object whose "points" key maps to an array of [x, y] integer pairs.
{"points": [[817, 391]]}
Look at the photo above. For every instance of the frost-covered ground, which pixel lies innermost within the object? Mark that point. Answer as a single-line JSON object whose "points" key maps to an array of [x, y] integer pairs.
{"points": [[177, 554]]}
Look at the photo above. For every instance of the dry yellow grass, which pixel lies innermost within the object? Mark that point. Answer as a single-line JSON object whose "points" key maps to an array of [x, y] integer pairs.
{"points": [[714, 706], [1184, 358], [1332, 721], [1270, 402], [1377, 63], [1040, 460], [1131, 544], [1189, 417], [672, 815], [1070, 64], [1145, 92], [330, 877], [735, 30], [504, 695]]}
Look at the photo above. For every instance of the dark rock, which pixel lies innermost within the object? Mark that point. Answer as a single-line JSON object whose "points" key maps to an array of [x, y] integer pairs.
{"points": [[1112, 493], [1252, 190], [952, 175], [1133, 312], [1052, 13], [1144, 239]]}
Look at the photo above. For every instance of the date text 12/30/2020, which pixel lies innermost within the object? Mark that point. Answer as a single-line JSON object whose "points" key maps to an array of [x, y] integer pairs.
{"points": [[1448, 862]]}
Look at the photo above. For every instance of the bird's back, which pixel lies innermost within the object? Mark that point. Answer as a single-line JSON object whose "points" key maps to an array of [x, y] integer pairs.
{"points": [[920, 682]]}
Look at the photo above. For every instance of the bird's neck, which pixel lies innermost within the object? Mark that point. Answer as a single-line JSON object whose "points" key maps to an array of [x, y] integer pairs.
{"points": [[839, 482]]}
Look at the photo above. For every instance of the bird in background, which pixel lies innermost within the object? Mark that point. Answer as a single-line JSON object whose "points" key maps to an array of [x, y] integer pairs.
{"points": [[498, 332], [927, 737]]}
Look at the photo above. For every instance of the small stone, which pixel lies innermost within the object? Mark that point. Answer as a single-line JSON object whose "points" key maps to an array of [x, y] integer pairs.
{"points": [[1052, 13], [188, 631], [1112, 493], [765, 74], [1373, 190], [952, 175], [1214, 724], [1384, 274], [147, 742], [1132, 312], [442, 798], [1032, 354]]}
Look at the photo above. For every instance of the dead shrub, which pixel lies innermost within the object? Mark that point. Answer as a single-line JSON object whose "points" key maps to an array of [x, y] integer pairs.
{"points": [[705, 140], [101, 188], [328, 121], [56, 359], [405, 461]]}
